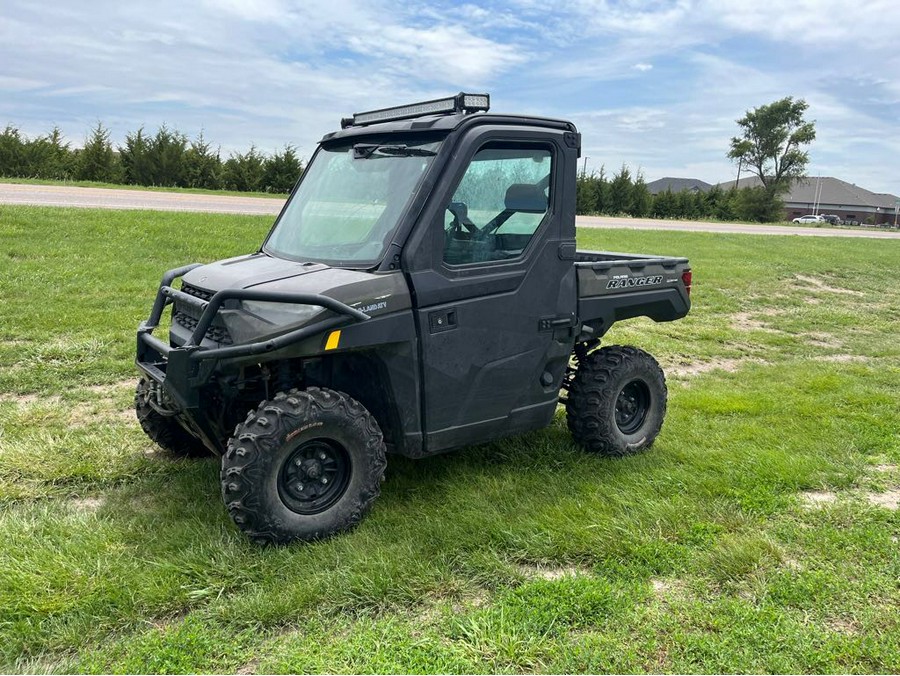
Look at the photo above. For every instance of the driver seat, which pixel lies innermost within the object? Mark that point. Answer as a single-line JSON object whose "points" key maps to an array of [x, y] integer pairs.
{"points": [[526, 198]]}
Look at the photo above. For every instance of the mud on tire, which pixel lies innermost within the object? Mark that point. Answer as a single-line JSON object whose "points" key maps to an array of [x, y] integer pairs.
{"points": [[165, 430], [617, 401], [302, 466]]}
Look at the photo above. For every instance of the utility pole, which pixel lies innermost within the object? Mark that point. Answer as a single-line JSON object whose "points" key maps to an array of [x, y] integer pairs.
{"points": [[740, 161], [818, 195], [584, 166]]}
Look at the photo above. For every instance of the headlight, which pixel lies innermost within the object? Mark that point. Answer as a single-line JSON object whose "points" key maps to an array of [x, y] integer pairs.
{"points": [[253, 319]]}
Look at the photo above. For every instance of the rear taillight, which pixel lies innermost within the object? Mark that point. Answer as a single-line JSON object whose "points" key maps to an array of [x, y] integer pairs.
{"points": [[686, 278]]}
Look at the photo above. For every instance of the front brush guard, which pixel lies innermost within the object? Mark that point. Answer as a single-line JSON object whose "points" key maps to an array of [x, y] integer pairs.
{"points": [[182, 370]]}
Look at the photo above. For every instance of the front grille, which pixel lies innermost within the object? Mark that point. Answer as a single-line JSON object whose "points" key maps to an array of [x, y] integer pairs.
{"points": [[188, 316], [194, 291]]}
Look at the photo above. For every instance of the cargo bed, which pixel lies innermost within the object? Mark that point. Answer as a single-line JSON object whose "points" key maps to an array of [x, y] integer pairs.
{"points": [[613, 286]]}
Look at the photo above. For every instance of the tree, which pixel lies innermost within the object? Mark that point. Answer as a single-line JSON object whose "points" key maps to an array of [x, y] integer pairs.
{"points": [[620, 192], [135, 158], [282, 170], [641, 199], [203, 167], [244, 171], [771, 143], [585, 194], [49, 157], [97, 161], [725, 208], [684, 205], [12, 152], [165, 152], [664, 204], [601, 196]]}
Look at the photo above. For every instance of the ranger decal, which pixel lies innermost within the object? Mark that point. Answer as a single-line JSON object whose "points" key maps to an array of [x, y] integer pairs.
{"points": [[629, 282]]}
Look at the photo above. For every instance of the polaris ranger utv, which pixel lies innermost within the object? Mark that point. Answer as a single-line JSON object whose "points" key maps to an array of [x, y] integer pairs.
{"points": [[419, 291]]}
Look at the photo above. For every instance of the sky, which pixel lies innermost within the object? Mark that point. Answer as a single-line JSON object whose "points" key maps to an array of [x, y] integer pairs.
{"points": [[656, 85]]}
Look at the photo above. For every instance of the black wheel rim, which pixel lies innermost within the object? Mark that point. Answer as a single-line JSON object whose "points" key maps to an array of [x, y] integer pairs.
{"points": [[632, 405], [314, 476]]}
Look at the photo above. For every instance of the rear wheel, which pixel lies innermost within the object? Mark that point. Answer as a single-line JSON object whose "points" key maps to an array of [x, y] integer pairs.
{"points": [[303, 466], [617, 401], [163, 429]]}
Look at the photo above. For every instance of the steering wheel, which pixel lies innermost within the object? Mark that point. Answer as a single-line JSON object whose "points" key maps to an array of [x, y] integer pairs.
{"points": [[460, 211]]}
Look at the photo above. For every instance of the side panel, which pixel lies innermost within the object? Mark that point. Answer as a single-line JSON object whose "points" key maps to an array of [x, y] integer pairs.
{"points": [[613, 290]]}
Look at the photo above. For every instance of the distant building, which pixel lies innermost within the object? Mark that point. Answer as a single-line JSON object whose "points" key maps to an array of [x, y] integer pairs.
{"points": [[678, 185], [846, 200], [852, 203]]}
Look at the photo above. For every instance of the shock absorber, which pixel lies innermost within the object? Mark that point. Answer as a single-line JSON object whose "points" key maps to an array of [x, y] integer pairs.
{"points": [[579, 353]]}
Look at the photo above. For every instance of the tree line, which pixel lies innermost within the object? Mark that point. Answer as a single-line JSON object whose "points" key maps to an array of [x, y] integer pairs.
{"points": [[167, 158], [624, 194], [771, 146]]}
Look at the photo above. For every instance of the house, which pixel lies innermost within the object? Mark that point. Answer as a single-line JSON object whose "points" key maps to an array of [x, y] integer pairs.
{"points": [[829, 195], [677, 185]]}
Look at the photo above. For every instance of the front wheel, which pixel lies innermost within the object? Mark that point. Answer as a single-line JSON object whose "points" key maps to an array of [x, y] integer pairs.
{"points": [[617, 401], [303, 466]]}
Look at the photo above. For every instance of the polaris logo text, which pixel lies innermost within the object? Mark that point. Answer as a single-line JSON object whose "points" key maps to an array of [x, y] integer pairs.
{"points": [[634, 281]]}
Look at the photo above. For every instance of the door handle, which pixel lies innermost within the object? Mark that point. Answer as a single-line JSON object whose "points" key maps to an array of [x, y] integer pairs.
{"points": [[442, 320], [550, 323]]}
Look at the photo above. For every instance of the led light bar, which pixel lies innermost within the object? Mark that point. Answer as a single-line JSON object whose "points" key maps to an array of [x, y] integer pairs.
{"points": [[461, 103]]}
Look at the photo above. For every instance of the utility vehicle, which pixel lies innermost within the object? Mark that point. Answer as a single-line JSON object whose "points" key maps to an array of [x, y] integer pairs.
{"points": [[419, 291]]}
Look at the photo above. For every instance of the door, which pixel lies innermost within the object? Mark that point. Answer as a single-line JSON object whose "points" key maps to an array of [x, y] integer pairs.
{"points": [[495, 311]]}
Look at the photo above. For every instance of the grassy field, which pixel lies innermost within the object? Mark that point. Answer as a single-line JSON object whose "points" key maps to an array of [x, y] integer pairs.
{"points": [[759, 533]]}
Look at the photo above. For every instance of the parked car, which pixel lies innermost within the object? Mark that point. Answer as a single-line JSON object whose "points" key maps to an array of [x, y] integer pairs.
{"points": [[833, 219], [809, 218]]}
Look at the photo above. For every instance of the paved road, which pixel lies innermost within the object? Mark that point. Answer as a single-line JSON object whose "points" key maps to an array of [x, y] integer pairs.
{"points": [[105, 198], [738, 228], [67, 196]]}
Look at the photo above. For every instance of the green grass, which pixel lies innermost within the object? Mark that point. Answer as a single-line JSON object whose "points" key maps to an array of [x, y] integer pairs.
{"points": [[705, 554], [122, 186]]}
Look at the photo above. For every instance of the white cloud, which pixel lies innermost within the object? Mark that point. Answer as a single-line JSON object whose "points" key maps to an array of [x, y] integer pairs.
{"points": [[446, 54], [656, 84], [250, 10]]}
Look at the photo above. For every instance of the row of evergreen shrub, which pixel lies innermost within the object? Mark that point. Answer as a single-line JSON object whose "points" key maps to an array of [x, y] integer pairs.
{"points": [[167, 158], [624, 195]]}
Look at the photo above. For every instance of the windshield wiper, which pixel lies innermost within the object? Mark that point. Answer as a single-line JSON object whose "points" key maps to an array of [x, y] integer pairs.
{"points": [[362, 151]]}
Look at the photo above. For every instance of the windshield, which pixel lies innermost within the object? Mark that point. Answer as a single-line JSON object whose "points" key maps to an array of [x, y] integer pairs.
{"points": [[348, 205]]}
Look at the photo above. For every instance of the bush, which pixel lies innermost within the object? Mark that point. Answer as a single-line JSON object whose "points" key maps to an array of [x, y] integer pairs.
{"points": [[758, 204]]}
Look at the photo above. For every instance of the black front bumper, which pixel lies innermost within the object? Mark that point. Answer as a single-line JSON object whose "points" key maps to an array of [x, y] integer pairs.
{"points": [[182, 371]]}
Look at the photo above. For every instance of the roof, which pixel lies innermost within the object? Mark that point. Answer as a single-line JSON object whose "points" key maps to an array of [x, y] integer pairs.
{"points": [[678, 184], [832, 191]]}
